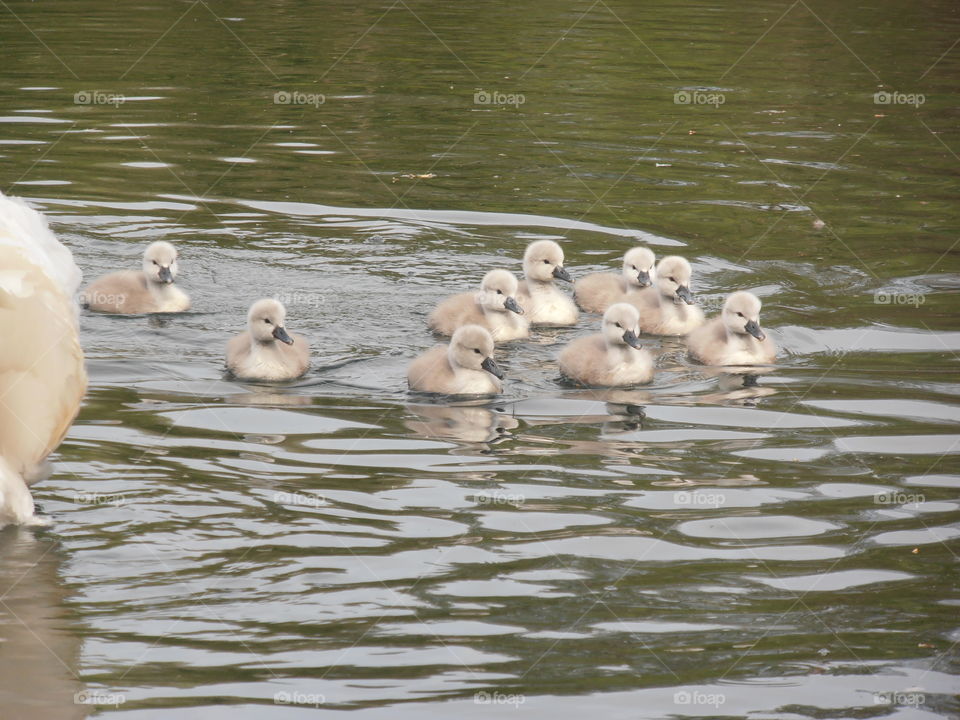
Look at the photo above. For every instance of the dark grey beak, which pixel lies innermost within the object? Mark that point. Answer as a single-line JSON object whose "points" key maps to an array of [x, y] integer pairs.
{"points": [[631, 339], [754, 329], [280, 334], [561, 273], [643, 278], [683, 292], [491, 367], [513, 306], [165, 275]]}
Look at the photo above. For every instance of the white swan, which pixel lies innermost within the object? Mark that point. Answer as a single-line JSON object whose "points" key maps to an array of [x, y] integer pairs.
{"points": [[42, 377]]}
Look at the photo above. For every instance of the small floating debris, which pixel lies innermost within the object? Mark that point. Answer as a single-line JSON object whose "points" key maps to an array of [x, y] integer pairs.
{"points": [[415, 176]]}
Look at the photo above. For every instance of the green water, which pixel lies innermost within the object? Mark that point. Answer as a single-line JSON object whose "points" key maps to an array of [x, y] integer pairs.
{"points": [[693, 549]]}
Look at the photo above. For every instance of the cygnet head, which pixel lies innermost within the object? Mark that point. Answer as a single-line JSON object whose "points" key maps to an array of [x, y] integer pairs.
{"points": [[543, 261], [471, 347], [160, 262], [621, 324], [267, 321], [638, 266], [673, 279], [498, 292], [741, 314]]}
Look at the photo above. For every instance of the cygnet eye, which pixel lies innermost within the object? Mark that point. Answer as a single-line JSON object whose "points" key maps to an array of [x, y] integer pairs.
{"points": [[673, 279], [267, 320], [155, 262], [477, 351], [634, 267], [620, 326], [499, 292], [739, 314], [547, 262]]}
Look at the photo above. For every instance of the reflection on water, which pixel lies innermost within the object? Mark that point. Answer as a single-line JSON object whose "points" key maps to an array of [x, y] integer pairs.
{"points": [[773, 543]]}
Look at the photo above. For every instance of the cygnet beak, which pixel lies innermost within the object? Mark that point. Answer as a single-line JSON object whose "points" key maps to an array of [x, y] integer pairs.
{"points": [[753, 328], [281, 334], [631, 339], [643, 278], [491, 367], [513, 306], [683, 292], [164, 275], [561, 273]]}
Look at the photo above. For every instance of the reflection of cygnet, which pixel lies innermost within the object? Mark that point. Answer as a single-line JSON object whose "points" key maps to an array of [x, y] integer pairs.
{"points": [[42, 377], [455, 422], [495, 308], [464, 367], [598, 291], [734, 337], [667, 308], [149, 290], [611, 358], [539, 297], [266, 351]]}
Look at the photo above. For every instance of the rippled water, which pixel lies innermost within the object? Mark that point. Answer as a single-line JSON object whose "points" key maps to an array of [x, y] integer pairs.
{"points": [[702, 547]]}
